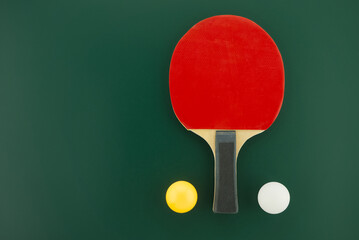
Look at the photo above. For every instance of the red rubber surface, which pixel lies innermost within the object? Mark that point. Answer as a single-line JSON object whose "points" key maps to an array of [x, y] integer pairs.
{"points": [[226, 73]]}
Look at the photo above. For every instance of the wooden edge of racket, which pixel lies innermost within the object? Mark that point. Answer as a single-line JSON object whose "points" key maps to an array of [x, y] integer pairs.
{"points": [[210, 136]]}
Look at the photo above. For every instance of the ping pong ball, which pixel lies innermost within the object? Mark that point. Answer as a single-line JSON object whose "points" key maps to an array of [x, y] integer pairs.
{"points": [[181, 196], [273, 197]]}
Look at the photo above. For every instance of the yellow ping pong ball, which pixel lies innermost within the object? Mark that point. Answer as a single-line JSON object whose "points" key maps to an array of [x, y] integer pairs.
{"points": [[181, 196]]}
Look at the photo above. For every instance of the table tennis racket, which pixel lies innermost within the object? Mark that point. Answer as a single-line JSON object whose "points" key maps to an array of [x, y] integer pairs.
{"points": [[226, 84]]}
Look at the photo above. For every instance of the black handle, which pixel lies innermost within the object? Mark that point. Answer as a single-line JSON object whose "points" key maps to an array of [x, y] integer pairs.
{"points": [[225, 188]]}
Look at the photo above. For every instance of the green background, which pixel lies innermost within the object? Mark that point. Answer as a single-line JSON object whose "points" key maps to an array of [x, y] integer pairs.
{"points": [[89, 142]]}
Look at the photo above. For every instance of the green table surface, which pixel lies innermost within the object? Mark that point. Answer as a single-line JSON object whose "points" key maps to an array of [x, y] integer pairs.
{"points": [[89, 142]]}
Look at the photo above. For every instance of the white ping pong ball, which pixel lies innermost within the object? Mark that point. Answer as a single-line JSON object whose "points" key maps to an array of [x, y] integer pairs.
{"points": [[273, 197]]}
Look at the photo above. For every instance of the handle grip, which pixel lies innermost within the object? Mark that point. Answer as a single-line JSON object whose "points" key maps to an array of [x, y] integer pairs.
{"points": [[225, 188]]}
